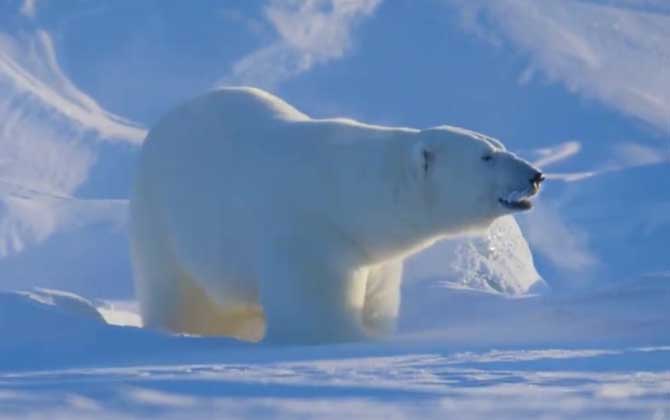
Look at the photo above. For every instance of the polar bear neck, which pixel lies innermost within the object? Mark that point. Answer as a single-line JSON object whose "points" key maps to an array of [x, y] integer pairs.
{"points": [[372, 197]]}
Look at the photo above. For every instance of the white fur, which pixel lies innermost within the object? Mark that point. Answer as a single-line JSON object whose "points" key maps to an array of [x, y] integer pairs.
{"points": [[250, 219]]}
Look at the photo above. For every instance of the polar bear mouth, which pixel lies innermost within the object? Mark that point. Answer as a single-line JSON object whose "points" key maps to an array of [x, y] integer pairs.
{"points": [[517, 200]]}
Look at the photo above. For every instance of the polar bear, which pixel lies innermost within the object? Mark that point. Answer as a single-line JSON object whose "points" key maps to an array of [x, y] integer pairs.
{"points": [[250, 219]]}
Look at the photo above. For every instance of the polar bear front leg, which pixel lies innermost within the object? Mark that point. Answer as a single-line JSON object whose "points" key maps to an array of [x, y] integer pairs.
{"points": [[382, 298], [308, 300]]}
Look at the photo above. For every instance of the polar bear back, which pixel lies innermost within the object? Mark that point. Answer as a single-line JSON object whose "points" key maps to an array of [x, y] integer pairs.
{"points": [[236, 166]]}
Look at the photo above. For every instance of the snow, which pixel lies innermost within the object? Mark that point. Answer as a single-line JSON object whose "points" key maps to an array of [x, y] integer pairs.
{"points": [[423, 386], [618, 227], [605, 49], [498, 261], [561, 313], [64, 361]]}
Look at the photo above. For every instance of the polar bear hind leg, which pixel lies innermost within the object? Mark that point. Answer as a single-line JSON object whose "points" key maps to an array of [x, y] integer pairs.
{"points": [[169, 298], [199, 314], [382, 299]]}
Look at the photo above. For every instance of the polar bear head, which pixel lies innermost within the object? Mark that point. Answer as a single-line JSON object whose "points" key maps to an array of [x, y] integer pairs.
{"points": [[467, 180]]}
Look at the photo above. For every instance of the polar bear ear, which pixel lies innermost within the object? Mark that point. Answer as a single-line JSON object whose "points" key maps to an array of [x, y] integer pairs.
{"points": [[423, 159]]}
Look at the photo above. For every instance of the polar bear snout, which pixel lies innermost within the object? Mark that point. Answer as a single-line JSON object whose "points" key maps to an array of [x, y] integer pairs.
{"points": [[516, 195], [536, 180]]}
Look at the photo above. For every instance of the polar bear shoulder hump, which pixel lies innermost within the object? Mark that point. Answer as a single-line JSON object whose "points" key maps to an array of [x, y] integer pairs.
{"points": [[497, 144], [248, 103]]}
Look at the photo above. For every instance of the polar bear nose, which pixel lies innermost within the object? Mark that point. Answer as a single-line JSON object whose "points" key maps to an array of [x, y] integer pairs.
{"points": [[537, 179]]}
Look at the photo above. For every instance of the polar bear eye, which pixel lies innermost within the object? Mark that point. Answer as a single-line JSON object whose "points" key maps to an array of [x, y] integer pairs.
{"points": [[487, 158], [428, 158]]}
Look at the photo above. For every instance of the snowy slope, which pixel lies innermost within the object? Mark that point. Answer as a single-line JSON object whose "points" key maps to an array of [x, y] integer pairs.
{"points": [[616, 226], [627, 214], [64, 172]]}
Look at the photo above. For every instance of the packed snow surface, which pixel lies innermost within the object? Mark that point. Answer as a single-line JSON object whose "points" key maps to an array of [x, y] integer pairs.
{"points": [[461, 352]]}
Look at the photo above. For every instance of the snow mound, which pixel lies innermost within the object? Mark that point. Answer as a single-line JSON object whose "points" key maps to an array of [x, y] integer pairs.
{"points": [[121, 313], [45, 329], [499, 261], [45, 325], [63, 301], [35, 312]]}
